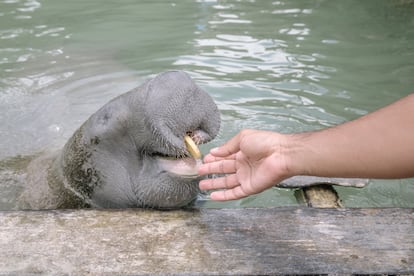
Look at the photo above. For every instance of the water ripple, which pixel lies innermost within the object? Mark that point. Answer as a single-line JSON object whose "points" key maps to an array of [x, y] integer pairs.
{"points": [[287, 66]]}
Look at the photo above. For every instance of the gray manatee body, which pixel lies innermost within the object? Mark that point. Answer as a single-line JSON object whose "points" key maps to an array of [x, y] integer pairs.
{"points": [[131, 152]]}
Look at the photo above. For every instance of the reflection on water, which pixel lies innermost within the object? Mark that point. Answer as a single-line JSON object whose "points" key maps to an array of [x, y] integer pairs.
{"points": [[287, 66]]}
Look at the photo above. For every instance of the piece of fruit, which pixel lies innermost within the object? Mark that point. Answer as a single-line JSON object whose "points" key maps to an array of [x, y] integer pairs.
{"points": [[192, 147]]}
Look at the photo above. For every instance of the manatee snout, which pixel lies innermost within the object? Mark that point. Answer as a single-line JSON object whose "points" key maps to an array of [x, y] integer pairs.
{"points": [[174, 107]]}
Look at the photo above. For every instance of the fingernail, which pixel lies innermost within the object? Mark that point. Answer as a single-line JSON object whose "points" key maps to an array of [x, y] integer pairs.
{"points": [[215, 150]]}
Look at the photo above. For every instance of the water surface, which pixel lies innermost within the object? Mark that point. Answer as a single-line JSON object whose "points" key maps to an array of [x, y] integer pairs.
{"points": [[287, 66]]}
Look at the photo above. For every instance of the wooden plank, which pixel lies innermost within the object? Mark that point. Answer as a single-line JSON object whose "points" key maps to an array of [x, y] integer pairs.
{"points": [[208, 241]]}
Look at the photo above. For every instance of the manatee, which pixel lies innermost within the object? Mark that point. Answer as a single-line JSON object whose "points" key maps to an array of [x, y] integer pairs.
{"points": [[132, 152]]}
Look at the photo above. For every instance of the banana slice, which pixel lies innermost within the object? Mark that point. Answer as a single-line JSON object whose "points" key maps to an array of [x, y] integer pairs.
{"points": [[192, 147]]}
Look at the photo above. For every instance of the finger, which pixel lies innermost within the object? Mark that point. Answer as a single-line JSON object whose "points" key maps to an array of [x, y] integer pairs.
{"points": [[231, 194], [226, 182], [210, 158], [223, 166]]}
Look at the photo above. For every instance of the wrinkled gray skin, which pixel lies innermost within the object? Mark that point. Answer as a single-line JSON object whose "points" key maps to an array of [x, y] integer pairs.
{"points": [[111, 161]]}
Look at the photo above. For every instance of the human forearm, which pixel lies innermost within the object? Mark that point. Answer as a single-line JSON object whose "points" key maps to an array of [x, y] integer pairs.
{"points": [[378, 145]]}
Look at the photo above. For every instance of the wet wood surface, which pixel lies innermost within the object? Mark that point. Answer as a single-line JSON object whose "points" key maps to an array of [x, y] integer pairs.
{"points": [[208, 241]]}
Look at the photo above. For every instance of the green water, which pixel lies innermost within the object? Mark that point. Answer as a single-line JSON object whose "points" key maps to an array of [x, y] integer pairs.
{"points": [[287, 66]]}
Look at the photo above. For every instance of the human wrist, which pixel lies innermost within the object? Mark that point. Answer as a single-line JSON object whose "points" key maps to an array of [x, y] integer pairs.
{"points": [[295, 150]]}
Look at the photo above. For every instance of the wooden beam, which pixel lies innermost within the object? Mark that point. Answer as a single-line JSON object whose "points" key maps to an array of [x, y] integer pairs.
{"points": [[208, 241]]}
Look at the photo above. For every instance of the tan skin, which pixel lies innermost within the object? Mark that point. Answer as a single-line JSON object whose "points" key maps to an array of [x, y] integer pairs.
{"points": [[377, 145]]}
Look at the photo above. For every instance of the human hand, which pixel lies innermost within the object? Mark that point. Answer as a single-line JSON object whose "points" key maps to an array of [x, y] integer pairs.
{"points": [[253, 160]]}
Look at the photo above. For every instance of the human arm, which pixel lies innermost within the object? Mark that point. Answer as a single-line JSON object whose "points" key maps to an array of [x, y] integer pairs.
{"points": [[377, 145]]}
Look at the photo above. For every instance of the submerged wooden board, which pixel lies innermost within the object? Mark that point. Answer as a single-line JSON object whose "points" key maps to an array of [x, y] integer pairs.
{"points": [[208, 241]]}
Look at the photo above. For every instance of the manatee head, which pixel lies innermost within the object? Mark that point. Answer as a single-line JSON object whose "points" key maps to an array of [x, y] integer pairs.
{"points": [[131, 152]]}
